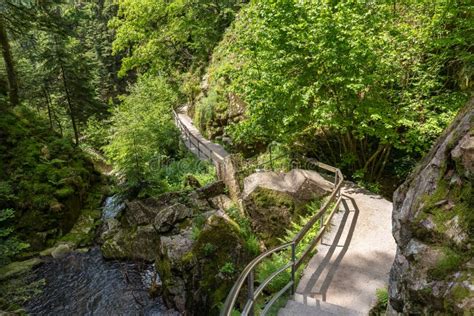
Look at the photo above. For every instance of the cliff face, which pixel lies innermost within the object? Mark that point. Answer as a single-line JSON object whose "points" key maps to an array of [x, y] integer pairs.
{"points": [[433, 226]]}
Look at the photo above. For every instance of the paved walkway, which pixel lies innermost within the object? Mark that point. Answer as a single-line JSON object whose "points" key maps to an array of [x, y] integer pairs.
{"points": [[200, 146], [352, 262], [353, 258]]}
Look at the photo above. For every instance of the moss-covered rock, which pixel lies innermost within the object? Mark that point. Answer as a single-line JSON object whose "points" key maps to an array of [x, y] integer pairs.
{"points": [[273, 200], [198, 271], [17, 268], [47, 180], [139, 243], [433, 226]]}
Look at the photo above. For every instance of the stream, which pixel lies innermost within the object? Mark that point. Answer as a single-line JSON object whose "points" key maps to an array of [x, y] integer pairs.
{"points": [[87, 284]]}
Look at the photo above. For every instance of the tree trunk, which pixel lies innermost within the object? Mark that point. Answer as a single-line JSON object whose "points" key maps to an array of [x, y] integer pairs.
{"points": [[48, 104], [10, 67], [71, 112]]}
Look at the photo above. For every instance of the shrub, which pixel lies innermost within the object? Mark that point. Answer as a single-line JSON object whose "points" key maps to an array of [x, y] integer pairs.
{"points": [[9, 245], [142, 131]]}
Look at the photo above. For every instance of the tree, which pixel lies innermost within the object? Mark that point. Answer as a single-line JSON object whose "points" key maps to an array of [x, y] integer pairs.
{"points": [[349, 80], [143, 131], [170, 37], [10, 67]]}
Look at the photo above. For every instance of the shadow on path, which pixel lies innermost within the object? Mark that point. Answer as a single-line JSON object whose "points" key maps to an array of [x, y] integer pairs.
{"points": [[333, 246]]}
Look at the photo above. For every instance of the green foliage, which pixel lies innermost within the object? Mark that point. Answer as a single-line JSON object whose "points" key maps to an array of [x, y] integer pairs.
{"points": [[95, 133], [380, 306], [382, 296], [353, 82], [277, 260], [227, 268], [173, 173], [252, 244], [9, 244], [46, 179], [142, 131], [208, 249], [198, 224], [447, 264], [169, 37]]}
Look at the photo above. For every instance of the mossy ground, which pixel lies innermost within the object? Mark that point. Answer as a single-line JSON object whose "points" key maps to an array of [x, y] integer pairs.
{"points": [[45, 179]]}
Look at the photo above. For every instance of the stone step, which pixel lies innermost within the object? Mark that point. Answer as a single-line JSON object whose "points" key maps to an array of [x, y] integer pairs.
{"points": [[297, 309], [323, 308]]}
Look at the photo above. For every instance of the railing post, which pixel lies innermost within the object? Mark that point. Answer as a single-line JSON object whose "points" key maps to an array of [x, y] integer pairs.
{"points": [[271, 161], [199, 150], [251, 290], [293, 267]]}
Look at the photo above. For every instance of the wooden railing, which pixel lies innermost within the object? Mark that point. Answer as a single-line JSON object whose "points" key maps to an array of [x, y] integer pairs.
{"points": [[202, 148], [324, 215]]}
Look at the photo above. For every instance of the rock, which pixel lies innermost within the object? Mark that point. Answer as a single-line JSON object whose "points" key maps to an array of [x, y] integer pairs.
{"points": [[61, 251], [17, 268], [83, 232], [137, 213], [464, 151], [415, 248], [140, 243], [301, 184], [191, 270], [175, 247], [455, 232], [143, 212], [273, 200], [222, 202], [210, 190], [170, 216], [198, 202], [432, 225]]}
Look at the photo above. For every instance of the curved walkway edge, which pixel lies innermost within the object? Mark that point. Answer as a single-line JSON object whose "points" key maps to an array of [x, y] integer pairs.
{"points": [[203, 148], [353, 259]]}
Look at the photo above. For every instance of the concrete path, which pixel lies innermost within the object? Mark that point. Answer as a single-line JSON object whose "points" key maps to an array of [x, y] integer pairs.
{"points": [[353, 259], [196, 143]]}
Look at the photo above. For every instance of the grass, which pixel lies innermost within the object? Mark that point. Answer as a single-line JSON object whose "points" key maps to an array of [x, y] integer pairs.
{"points": [[448, 263], [381, 305]]}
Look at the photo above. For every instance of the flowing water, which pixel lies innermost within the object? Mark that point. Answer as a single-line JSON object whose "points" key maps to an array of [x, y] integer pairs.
{"points": [[87, 284], [113, 205]]}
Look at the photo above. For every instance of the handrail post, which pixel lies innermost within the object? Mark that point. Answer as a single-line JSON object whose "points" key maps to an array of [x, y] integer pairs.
{"points": [[293, 267], [199, 150], [251, 290]]}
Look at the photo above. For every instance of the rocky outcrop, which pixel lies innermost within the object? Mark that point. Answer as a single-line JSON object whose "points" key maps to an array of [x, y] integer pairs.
{"points": [[198, 268], [198, 250], [273, 200], [433, 226]]}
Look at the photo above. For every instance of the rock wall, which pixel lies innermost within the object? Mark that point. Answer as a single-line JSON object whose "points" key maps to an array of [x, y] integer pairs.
{"points": [[272, 200], [433, 220], [197, 249]]}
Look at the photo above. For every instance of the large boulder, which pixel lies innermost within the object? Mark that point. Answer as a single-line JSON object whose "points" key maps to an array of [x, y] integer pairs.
{"points": [[166, 219], [198, 269], [138, 243], [273, 200], [136, 232], [433, 227]]}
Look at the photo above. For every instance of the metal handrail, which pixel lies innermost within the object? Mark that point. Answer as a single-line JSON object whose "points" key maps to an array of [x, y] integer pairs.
{"points": [[198, 144], [294, 263]]}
